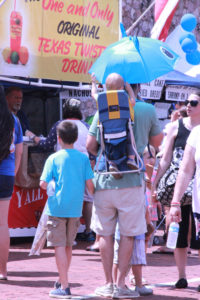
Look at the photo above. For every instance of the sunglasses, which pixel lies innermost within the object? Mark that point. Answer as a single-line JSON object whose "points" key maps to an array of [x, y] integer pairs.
{"points": [[193, 103]]}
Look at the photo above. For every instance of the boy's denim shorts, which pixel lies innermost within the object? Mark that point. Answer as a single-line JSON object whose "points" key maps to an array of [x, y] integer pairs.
{"points": [[6, 186], [61, 232]]}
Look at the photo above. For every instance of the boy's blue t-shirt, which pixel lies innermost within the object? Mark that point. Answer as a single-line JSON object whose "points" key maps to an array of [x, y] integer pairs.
{"points": [[7, 166], [70, 169]]}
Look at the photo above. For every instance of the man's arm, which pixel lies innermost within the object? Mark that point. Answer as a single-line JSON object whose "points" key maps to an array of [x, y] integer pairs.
{"points": [[156, 140], [18, 155], [92, 145]]}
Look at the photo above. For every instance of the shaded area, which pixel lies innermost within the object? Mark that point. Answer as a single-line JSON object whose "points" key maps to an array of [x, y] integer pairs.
{"points": [[160, 259], [24, 255]]}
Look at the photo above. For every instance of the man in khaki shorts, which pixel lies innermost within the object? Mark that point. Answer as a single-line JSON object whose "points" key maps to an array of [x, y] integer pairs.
{"points": [[121, 199]]}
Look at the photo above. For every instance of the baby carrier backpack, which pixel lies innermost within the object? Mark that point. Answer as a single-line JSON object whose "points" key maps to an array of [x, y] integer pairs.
{"points": [[114, 124]]}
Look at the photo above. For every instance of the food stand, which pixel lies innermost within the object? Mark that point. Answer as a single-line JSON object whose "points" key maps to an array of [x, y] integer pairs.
{"points": [[28, 199], [49, 44]]}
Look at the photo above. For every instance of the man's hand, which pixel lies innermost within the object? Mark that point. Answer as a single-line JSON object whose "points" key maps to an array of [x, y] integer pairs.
{"points": [[29, 133], [94, 88], [93, 78]]}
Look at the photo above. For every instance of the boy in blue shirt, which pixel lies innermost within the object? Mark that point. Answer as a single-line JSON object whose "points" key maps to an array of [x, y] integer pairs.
{"points": [[71, 171]]}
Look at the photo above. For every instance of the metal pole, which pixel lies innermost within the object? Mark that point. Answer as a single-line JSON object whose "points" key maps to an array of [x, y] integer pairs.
{"points": [[138, 20]]}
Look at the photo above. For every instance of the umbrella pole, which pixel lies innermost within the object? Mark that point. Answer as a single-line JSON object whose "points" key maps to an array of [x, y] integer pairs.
{"points": [[138, 20]]}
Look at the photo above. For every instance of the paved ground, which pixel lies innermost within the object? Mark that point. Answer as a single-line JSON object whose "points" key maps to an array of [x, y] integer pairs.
{"points": [[33, 277]]}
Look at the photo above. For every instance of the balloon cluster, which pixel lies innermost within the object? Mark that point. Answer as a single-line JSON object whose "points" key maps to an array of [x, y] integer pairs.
{"points": [[188, 40]]}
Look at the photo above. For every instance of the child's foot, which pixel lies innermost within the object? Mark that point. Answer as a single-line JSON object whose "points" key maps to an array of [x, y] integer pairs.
{"points": [[57, 285], [143, 291], [60, 293], [132, 280], [117, 174], [132, 164]]}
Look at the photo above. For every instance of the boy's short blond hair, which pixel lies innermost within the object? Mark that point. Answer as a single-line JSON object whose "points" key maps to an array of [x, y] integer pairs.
{"points": [[114, 81]]}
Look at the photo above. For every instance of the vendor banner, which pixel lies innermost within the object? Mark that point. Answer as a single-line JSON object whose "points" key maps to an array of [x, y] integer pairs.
{"points": [[26, 206], [55, 39], [153, 89], [178, 92]]}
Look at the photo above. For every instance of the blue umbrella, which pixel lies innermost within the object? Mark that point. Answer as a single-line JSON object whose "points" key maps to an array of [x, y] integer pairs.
{"points": [[136, 59]]}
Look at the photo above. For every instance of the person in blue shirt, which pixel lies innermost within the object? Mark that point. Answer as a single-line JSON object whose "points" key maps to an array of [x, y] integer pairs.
{"points": [[70, 171], [10, 155]]}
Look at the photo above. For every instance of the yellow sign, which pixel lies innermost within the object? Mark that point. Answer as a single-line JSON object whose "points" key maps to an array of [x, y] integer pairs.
{"points": [[55, 39]]}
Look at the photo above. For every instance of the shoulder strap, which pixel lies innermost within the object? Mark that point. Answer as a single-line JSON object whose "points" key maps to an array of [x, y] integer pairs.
{"points": [[149, 150]]}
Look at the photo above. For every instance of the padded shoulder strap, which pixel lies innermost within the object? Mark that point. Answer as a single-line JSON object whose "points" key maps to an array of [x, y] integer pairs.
{"points": [[113, 105]]}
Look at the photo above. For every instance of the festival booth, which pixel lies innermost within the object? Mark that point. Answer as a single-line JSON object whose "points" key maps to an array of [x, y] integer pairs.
{"points": [[47, 47]]}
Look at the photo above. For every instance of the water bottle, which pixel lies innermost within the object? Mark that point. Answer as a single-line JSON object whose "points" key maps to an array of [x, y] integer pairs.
{"points": [[172, 235]]}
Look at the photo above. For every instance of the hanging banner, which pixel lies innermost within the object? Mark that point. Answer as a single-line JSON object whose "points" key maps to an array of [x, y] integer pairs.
{"points": [[152, 90], [55, 39], [178, 92], [80, 94], [26, 206]]}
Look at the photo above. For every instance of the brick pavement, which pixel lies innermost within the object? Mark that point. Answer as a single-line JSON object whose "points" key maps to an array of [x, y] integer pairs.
{"points": [[33, 277]]}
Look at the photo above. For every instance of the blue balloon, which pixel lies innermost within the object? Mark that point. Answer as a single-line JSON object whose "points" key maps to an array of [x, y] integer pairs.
{"points": [[187, 35], [188, 22], [188, 45], [193, 58]]}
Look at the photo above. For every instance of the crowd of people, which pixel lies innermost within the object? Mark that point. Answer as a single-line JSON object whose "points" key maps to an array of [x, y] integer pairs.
{"points": [[120, 208]]}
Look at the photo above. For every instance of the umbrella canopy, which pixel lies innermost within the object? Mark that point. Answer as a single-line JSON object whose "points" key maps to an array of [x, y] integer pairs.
{"points": [[136, 59]]}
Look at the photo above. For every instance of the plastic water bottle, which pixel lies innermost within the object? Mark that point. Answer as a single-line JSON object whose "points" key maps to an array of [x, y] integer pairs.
{"points": [[51, 188], [172, 235]]}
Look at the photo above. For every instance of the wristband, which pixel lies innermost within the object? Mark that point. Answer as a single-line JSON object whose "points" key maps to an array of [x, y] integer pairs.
{"points": [[175, 204]]}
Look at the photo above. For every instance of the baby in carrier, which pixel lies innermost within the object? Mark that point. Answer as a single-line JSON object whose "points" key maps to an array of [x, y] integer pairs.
{"points": [[121, 149]]}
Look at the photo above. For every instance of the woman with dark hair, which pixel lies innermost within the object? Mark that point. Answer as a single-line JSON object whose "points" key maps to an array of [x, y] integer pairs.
{"points": [[10, 155], [71, 111]]}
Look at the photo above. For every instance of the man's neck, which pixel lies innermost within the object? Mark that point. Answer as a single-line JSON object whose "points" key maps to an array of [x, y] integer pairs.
{"points": [[13, 111]]}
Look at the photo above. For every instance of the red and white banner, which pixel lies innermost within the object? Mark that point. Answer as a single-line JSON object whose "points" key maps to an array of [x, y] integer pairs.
{"points": [[164, 12], [26, 207]]}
